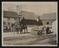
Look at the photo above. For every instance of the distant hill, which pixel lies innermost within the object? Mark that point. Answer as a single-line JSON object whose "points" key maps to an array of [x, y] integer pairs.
{"points": [[48, 16]]}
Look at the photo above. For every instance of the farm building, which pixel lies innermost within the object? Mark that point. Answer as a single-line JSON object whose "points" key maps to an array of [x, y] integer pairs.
{"points": [[11, 19], [48, 18]]}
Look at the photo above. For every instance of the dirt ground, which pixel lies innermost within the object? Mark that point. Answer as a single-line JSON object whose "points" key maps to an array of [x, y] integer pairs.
{"points": [[28, 39]]}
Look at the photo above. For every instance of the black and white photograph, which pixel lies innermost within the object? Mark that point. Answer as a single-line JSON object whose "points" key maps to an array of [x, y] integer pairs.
{"points": [[29, 24]]}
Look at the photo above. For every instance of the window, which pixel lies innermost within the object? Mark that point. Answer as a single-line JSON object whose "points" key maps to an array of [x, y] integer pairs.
{"points": [[8, 18], [8, 23], [47, 22], [4, 23], [14, 18]]}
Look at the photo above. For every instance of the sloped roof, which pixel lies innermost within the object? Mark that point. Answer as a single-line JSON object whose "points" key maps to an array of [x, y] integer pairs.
{"points": [[9, 14], [30, 18], [31, 22], [25, 14]]}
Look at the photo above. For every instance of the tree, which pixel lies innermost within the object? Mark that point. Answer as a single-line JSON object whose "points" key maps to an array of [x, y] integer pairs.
{"points": [[40, 21]]}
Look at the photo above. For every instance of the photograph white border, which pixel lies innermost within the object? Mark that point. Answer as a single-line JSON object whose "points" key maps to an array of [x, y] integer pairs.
{"points": [[28, 45]]}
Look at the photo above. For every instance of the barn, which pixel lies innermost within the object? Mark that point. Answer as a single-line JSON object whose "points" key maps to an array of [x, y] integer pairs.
{"points": [[12, 20]]}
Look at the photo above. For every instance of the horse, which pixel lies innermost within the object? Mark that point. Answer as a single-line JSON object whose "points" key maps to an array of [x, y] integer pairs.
{"points": [[23, 28]]}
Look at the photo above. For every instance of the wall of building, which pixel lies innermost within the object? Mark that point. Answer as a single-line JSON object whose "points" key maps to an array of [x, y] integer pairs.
{"points": [[11, 21], [44, 21], [29, 27], [54, 26]]}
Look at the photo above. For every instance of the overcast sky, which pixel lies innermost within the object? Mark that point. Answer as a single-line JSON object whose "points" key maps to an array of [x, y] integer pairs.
{"points": [[38, 8]]}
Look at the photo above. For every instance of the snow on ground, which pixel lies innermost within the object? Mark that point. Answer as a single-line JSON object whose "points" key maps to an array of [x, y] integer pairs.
{"points": [[29, 38], [14, 34], [54, 27]]}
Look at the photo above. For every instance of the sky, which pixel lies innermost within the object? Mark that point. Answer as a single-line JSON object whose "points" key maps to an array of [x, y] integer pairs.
{"points": [[38, 8]]}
